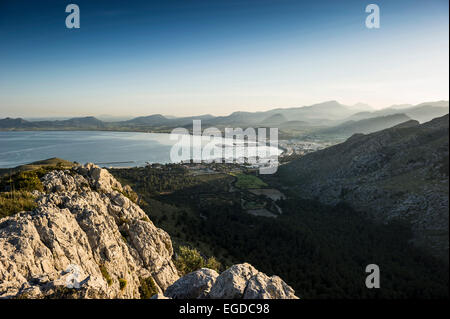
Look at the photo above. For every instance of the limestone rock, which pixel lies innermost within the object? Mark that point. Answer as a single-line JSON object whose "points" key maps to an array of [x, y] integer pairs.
{"points": [[86, 225], [262, 286], [232, 282], [194, 285], [237, 282], [99, 178]]}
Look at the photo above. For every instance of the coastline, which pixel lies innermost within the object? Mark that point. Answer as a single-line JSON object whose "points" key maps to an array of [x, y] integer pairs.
{"points": [[104, 148]]}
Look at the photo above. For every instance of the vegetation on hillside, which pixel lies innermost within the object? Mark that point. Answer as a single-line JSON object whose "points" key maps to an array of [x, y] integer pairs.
{"points": [[320, 250], [17, 184], [148, 288], [45, 165], [106, 275], [246, 181], [325, 259], [14, 202]]}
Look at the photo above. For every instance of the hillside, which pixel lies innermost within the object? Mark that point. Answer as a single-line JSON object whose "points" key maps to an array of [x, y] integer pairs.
{"points": [[330, 110], [159, 120], [365, 126], [88, 122], [48, 163], [59, 215], [423, 112], [274, 120], [397, 173], [300, 245]]}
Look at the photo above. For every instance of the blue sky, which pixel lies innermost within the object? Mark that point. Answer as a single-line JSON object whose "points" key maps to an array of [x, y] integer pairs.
{"points": [[195, 57]]}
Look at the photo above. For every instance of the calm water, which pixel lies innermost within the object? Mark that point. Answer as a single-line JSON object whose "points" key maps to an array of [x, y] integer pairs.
{"points": [[103, 148]]}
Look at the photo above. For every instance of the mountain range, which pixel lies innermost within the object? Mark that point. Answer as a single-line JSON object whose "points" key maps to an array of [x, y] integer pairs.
{"points": [[423, 112], [364, 126], [323, 118]]}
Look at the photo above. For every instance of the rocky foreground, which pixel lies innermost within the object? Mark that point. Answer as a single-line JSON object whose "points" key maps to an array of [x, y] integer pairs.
{"points": [[87, 239]]}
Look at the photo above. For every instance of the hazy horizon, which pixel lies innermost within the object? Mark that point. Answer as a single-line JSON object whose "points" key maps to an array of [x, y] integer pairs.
{"points": [[189, 58], [112, 117]]}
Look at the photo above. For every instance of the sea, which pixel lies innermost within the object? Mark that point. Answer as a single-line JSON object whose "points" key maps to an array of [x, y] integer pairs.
{"points": [[112, 149]]}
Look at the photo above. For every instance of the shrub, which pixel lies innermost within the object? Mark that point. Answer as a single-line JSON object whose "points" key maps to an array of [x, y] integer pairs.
{"points": [[188, 260], [213, 263], [14, 202], [130, 194], [245, 181], [122, 283], [106, 275], [27, 181], [148, 288]]}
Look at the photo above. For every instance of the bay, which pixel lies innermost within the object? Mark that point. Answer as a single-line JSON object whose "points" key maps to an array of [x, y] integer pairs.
{"points": [[104, 148]]}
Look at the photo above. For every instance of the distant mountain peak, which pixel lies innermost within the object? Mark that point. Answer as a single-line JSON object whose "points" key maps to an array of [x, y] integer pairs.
{"points": [[328, 103], [361, 107], [441, 103]]}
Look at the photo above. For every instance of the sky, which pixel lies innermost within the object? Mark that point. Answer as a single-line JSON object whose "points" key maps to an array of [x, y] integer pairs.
{"points": [[192, 57]]}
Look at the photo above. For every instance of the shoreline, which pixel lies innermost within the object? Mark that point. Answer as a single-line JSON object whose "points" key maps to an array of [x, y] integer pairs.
{"points": [[15, 161]]}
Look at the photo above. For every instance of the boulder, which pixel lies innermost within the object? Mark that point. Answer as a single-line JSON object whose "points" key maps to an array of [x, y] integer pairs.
{"points": [[238, 282], [232, 282], [195, 285], [262, 286]]}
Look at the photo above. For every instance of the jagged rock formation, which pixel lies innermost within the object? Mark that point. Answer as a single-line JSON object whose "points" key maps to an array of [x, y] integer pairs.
{"points": [[396, 173], [237, 282], [83, 220], [87, 234]]}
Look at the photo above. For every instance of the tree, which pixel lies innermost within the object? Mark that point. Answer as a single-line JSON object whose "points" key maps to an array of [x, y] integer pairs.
{"points": [[188, 260]]}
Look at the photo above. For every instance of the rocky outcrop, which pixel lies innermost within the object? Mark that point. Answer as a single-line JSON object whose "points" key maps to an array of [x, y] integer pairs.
{"points": [[84, 234], [262, 286], [194, 285], [232, 283], [237, 282]]}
